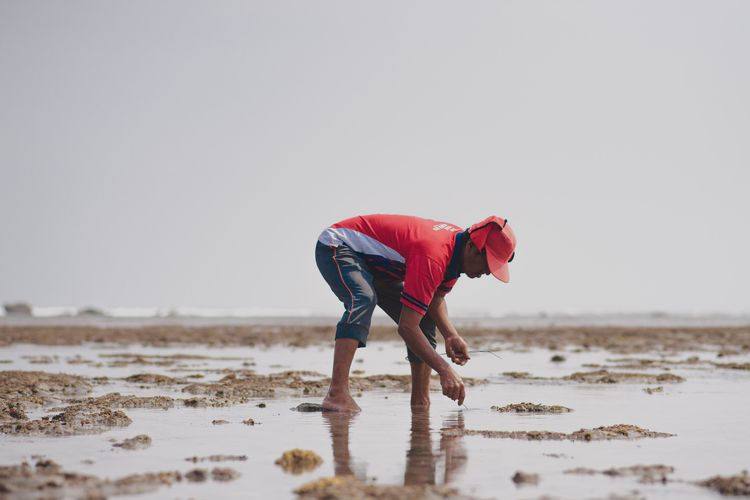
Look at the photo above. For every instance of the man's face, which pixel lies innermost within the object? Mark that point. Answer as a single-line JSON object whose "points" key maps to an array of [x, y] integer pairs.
{"points": [[475, 262]]}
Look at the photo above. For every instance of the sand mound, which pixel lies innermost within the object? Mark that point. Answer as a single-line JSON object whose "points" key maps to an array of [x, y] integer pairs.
{"points": [[348, 487], [646, 473], [152, 379], [738, 485], [116, 400], [531, 408], [139, 442], [73, 420], [40, 388], [605, 433], [47, 480]]}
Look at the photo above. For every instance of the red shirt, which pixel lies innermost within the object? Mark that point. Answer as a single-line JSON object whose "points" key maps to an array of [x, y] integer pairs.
{"points": [[422, 253]]}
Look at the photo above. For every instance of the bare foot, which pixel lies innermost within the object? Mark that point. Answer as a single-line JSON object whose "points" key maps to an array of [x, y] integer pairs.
{"points": [[343, 403]]}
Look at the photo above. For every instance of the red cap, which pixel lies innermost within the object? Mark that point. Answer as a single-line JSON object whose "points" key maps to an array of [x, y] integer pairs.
{"points": [[495, 235]]}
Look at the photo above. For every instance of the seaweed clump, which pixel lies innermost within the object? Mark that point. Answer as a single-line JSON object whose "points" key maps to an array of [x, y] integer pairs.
{"points": [[298, 460]]}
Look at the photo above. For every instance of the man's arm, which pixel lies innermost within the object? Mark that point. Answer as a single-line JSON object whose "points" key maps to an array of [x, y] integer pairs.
{"points": [[455, 346], [408, 328]]}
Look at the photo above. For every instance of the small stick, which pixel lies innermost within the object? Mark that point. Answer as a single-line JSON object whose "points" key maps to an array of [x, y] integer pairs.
{"points": [[475, 351]]}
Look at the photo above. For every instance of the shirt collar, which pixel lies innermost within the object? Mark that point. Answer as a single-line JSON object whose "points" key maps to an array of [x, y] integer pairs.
{"points": [[455, 266]]}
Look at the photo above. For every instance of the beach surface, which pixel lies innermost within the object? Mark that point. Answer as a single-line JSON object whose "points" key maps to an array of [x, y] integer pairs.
{"points": [[212, 411]]}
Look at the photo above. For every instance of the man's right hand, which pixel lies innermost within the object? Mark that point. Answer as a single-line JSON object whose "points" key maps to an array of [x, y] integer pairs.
{"points": [[452, 385]]}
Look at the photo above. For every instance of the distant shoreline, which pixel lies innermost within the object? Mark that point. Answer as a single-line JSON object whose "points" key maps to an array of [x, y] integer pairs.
{"points": [[645, 320]]}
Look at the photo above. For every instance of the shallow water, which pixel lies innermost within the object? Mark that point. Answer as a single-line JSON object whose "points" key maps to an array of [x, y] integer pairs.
{"points": [[389, 444]]}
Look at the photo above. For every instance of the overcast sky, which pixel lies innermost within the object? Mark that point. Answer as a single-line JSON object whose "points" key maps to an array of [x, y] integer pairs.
{"points": [[183, 153]]}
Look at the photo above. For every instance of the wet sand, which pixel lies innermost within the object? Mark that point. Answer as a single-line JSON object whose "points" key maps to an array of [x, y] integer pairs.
{"points": [[207, 413], [725, 340]]}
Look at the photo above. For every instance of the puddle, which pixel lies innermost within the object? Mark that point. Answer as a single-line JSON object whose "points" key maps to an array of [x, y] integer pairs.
{"points": [[387, 446]]}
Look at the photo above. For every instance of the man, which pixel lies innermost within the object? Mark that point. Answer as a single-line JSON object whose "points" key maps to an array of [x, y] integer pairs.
{"points": [[406, 265]]}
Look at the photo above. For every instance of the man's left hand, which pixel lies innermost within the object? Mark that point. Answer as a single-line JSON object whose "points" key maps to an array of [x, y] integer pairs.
{"points": [[457, 350]]}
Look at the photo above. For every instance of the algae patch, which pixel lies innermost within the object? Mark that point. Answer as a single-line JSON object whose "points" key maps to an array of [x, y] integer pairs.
{"points": [[298, 460]]}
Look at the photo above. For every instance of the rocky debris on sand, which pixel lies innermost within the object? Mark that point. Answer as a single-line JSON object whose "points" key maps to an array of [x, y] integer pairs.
{"points": [[219, 422], [521, 376], [667, 364], [348, 487], [224, 474], [298, 461], [32, 388], [630, 495], [196, 402], [557, 358], [601, 377], [128, 358], [738, 485], [47, 480], [399, 382], [525, 478], [618, 431], [727, 352], [733, 366], [139, 442], [80, 360], [196, 475], [652, 390], [41, 359], [218, 458], [152, 379], [606, 377], [74, 419], [115, 400], [531, 408], [241, 387], [141, 483], [120, 361], [386, 381], [308, 407], [605, 433], [11, 411], [648, 474], [173, 357]]}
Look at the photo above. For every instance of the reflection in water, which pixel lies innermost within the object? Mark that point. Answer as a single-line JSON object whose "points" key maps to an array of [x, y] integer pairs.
{"points": [[420, 460], [422, 463], [452, 448], [339, 424]]}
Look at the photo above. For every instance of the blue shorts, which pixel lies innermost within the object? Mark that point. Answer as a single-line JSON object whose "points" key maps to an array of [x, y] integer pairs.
{"points": [[360, 291]]}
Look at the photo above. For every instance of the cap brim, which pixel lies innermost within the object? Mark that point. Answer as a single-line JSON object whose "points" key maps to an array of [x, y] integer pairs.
{"points": [[498, 268]]}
